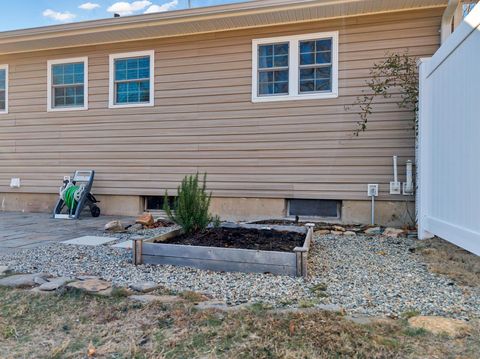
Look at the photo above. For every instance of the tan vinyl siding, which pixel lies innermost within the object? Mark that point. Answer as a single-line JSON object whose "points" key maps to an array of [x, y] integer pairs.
{"points": [[204, 120]]}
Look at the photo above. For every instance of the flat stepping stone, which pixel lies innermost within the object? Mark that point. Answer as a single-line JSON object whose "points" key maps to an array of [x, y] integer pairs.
{"points": [[55, 284], [90, 285], [145, 287], [125, 245], [21, 280], [149, 298], [90, 241], [4, 269]]}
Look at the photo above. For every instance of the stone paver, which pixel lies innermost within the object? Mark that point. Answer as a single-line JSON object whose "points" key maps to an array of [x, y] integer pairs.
{"points": [[29, 230], [90, 241]]}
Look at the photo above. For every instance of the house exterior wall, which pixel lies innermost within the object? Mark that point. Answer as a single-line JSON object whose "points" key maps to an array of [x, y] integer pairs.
{"points": [[204, 120]]}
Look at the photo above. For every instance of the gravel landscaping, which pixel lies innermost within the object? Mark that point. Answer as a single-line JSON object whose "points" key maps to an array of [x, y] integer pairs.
{"points": [[369, 275]]}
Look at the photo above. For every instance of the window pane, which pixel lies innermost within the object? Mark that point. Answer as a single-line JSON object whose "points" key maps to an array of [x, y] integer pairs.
{"points": [[121, 97], [265, 50], [266, 62], [324, 45], [281, 61], [307, 46], [324, 57], [281, 88], [68, 79], [307, 86], [59, 91], [307, 59], [266, 76], [266, 89], [144, 62], [3, 76], [122, 87], [281, 49], [281, 76], [120, 75], [307, 74], [133, 97], [323, 72], [145, 96], [323, 85], [143, 73], [68, 69], [2, 99]]}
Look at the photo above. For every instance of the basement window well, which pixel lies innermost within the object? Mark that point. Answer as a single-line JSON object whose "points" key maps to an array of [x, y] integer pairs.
{"points": [[314, 208], [155, 203]]}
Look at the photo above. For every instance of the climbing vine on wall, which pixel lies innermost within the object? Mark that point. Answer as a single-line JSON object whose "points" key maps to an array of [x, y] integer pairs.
{"points": [[396, 74]]}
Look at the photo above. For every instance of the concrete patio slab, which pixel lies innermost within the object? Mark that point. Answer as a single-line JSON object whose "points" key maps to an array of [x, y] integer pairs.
{"points": [[90, 241], [20, 230]]}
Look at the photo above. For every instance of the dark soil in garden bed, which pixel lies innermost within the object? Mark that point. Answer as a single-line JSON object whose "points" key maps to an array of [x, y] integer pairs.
{"points": [[243, 238]]}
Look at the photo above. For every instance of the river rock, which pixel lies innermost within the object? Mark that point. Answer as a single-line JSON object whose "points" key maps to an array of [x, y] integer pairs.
{"points": [[21, 280], [322, 232], [114, 226], [393, 232], [146, 219], [439, 325], [145, 287], [90, 285], [54, 284], [373, 230]]}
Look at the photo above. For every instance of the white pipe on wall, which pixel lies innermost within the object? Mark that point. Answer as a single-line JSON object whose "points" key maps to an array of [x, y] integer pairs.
{"points": [[447, 19], [395, 170]]}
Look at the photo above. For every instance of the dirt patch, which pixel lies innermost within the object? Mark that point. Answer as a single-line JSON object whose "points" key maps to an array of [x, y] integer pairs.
{"points": [[456, 263], [243, 238]]}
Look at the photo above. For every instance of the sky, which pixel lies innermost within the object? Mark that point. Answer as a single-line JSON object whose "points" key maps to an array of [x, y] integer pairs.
{"points": [[21, 14]]}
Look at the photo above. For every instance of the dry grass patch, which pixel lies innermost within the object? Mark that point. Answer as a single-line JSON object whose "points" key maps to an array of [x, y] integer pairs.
{"points": [[67, 325], [445, 258]]}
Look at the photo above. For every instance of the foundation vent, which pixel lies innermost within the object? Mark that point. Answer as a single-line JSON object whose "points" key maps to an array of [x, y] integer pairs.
{"points": [[321, 208]]}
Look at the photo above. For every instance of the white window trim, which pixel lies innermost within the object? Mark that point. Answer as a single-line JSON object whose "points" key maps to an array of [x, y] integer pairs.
{"points": [[7, 90], [50, 107], [293, 67], [111, 87]]}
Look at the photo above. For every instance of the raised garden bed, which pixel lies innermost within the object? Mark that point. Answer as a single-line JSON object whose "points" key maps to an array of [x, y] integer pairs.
{"points": [[232, 248]]}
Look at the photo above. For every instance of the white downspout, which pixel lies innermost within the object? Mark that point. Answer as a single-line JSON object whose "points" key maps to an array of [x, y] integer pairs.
{"points": [[447, 17]]}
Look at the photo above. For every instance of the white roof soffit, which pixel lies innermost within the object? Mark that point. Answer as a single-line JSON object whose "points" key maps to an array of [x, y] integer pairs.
{"points": [[199, 20]]}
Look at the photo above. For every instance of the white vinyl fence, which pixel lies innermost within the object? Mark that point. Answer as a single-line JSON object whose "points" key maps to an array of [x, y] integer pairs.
{"points": [[448, 196]]}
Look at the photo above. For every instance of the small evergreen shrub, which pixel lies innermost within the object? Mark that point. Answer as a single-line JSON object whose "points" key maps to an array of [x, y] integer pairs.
{"points": [[190, 207]]}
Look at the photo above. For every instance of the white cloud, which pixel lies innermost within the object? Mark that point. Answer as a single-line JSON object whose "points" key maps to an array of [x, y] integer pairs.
{"points": [[59, 16], [89, 6], [126, 8], [161, 8]]}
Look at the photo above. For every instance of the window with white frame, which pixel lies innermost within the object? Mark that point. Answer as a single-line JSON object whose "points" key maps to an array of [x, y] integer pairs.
{"points": [[67, 84], [132, 79], [298, 67], [3, 88]]}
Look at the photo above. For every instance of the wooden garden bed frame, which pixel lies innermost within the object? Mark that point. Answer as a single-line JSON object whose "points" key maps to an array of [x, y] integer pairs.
{"points": [[226, 259]]}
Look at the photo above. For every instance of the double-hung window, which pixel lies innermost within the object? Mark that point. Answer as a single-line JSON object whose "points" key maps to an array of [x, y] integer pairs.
{"points": [[132, 79], [3, 88], [299, 67], [67, 84]]}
